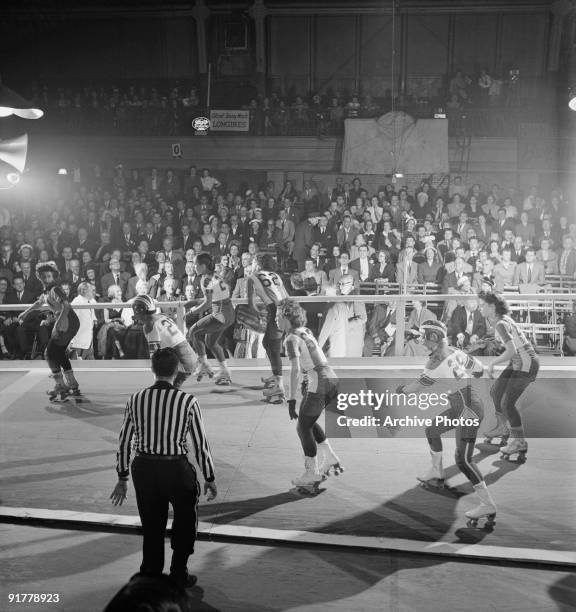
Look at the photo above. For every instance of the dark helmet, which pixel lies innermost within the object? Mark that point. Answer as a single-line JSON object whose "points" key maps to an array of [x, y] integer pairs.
{"points": [[143, 305], [434, 330]]}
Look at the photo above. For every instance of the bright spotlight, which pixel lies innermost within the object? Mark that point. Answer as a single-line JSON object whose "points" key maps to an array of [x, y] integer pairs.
{"points": [[63, 172], [13, 178], [572, 100]]}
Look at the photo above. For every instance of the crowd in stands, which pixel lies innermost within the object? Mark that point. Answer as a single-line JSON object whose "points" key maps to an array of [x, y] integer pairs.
{"points": [[140, 232], [169, 110]]}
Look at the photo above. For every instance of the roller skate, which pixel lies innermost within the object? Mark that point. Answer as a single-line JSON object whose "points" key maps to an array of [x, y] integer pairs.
{"points": [[310, 479], [60, 391], [73, 387], [223, 378], [434, 477], [517, 447], [275, 394], [486, 510], [501, 431], [202, 370], [269, 382], [329, 461]]}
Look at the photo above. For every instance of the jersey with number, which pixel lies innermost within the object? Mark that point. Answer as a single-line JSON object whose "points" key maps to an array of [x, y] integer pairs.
{"points": [[162, 332], [449, 363], [219, 289], [525, 355], [269, 287]]}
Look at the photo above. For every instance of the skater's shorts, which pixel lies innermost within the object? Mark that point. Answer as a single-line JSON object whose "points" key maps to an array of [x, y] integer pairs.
{"points": [[314, 402], [63, 338], [272, 331], [462, 404]]}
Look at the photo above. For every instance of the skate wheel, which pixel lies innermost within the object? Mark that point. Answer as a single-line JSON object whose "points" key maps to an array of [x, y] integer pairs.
{"points": [[472, 523]]}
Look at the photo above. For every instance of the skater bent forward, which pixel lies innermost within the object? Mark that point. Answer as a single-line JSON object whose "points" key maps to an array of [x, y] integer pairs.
{"points": [[320, 387]]}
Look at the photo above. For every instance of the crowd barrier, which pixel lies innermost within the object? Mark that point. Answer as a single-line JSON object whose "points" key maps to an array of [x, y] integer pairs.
{"points": [[548, 336]]}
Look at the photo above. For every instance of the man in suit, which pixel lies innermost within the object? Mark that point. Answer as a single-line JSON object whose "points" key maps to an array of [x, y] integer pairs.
{"points": [[344, 269], [127, 239], [363, 265], [529, 272], [467, 325], [304, 239], [153, 184], [318, 260], [463, 226], [291, 212], [310, 196], [451, 278], [73, 276], [85, 243], [220, 247], [287, 233], [325, 235], [31, 281], [173, 256], [191, 278], [19, 294], [346, 235], [503, 223], [114, 277], [238, 231], [153, 239], [567, 258]]}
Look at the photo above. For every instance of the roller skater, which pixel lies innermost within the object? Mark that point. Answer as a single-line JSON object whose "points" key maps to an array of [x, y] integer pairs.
{"points": [[452, 368], [162, 332], [65, 328], [521, 370], [267, 285], [320, 390], [209, 330]]}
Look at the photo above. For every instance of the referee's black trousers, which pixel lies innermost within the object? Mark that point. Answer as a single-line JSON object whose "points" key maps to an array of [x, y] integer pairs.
{"points": [[158, 483]]}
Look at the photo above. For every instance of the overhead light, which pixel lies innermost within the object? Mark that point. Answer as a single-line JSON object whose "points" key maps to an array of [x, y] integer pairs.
{"points": [[13, 178], [398, 174], [572, 98], [12, 103], [63, 172]]}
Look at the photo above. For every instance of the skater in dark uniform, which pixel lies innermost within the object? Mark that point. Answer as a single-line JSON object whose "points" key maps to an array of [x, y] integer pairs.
{"points": [[267, 284], [521, 369], [454, 369], [319, 388], [65, 328]]}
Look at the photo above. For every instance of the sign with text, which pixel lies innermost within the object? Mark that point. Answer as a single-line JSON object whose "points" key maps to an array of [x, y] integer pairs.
{"points": [[230, 120]]}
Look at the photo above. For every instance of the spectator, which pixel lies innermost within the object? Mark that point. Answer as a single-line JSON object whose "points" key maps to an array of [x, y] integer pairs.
{"points": [[81, 344]]}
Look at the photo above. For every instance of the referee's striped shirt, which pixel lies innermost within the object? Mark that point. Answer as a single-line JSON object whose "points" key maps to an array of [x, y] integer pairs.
{"points": [[159, 418]]}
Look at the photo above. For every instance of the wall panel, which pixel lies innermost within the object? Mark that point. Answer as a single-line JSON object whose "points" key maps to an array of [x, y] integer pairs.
{"points": [[475, 42], [524, 46], [335, 40], [376, 54], [289, 52]]}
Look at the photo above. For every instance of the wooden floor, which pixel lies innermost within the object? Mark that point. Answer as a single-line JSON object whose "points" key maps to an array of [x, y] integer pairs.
{"points": [[58, 464]]}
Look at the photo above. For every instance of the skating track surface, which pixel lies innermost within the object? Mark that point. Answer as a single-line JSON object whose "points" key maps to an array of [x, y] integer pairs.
{"points": [[58, 471]]}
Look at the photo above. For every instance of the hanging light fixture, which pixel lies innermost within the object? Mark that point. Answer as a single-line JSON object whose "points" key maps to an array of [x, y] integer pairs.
{"points": [[12, 103], [572, 98]]}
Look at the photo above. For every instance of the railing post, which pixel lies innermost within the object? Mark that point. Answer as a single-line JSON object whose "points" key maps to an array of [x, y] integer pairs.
{"points": [[400, 326], [180, 312]]}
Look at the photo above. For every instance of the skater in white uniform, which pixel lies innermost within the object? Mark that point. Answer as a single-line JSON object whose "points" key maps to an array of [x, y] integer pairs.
{"points": [[161, 332], [268, 286], [454, 369], [319, 389], [521, 369], [208, 331]]}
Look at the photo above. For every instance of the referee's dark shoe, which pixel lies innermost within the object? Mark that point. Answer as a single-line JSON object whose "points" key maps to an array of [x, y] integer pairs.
{"points": [[184, 579]]}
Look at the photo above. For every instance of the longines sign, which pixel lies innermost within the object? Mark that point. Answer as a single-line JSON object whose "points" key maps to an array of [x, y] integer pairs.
{"points": [[230, 120]]}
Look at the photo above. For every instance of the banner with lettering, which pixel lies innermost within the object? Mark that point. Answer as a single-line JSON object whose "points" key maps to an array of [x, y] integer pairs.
{"points": [[229, 120]]}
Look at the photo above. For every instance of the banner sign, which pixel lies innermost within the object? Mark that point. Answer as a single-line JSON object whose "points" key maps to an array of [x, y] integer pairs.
{"points": [[230, 120]]}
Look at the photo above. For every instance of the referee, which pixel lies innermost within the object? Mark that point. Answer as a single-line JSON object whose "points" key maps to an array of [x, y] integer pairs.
{"points": [[160, 418]]}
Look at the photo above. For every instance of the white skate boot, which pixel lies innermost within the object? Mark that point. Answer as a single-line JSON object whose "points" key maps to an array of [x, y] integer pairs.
{"points": [[202, 370], [223, 376], [328, 460], [501, 430], [309, 481], [268, 382], [275, 394], [435, 476], [486, 509], [517, 447]]}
